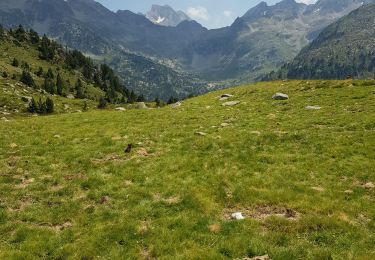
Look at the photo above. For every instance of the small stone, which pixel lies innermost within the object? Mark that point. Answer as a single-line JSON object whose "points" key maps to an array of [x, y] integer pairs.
{"points": [[231, 103], [348, 192], [313, 108], [237, 216], [319, 189], [120, 109], [280, 96], [369, 185], [201, 133], [57, 136], [224, 124], [176, 105], [13, 145], [70, 96]]}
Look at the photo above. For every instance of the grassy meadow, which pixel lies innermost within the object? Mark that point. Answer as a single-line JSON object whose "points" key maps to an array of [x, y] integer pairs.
{"points": [[302, 178]]}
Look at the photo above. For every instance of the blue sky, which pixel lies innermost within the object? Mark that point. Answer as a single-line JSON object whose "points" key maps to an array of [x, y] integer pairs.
{"points": [[210, 13]]}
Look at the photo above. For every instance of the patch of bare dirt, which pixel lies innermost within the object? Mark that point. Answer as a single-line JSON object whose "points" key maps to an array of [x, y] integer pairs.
{"points": [[263, 212], [57, 227]]}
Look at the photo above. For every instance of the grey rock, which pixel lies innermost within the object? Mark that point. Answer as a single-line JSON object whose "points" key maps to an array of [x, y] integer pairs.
{"points": [[231, 103], [201, 133], [280, 96], [176, 105], [237, 216], [140, 105], [120, 109], [313, 108], [70, 96]]}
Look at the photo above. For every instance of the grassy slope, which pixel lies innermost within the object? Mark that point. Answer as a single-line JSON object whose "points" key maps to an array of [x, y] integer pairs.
{"points": [[78, 195]]}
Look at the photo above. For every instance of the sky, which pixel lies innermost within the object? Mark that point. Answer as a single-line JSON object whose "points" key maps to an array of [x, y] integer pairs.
{"points": [[210, 13]]}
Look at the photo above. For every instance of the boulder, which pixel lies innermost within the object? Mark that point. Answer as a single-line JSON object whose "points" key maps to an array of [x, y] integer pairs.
{"points": [[280, 96], [237, 216], [231, 103], [120, 109], [70, 96], [176, 105], [201, 133], [226, 95], [313, 108], [140, 105]]}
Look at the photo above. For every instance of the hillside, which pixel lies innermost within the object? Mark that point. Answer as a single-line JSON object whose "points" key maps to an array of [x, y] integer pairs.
{"points": [[347, 47], [36, 67], [302, 178]]}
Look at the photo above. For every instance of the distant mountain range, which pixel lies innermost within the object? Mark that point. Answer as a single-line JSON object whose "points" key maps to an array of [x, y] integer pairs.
{"points": [[166, 15], [260, 41], [346, 47]]}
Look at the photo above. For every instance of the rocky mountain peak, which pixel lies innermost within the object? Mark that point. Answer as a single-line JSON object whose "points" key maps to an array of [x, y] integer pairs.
{"points": [[166, 15]]}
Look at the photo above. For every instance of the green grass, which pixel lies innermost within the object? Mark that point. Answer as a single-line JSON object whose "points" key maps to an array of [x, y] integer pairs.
{"points": [[68, 191]]}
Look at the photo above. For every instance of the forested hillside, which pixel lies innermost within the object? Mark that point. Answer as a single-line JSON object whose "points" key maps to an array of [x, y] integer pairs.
{"points": [[347, 47], [45, 69]]}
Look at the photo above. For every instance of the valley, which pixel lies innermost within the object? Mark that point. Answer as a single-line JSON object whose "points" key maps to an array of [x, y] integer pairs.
{"points": [[145, 135]]}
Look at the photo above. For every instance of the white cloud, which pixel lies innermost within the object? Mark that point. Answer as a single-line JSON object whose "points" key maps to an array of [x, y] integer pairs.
{"points": [[228, 13], [198, 12]]}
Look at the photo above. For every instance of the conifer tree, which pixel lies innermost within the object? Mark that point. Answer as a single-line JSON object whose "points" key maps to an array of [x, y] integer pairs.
{"points": [[33, 106], [15, 63], [49, 106], [39, 73], [79, 89], [102, 103], [27, 79], [140, 98], [59, 85]]}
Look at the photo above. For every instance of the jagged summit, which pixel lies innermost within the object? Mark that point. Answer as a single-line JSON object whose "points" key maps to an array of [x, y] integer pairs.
{"points": [[166, 15]]}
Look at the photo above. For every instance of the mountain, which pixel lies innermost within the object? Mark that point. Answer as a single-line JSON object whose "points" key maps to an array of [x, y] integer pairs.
{"points": [[346, 47], [260, 41], [166, 15], [106, 36]]}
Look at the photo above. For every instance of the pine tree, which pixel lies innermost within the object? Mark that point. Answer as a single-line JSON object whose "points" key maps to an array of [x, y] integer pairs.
{"points": [[102, 103], [85, 107], [132, 97], [39, 73], [50, 74], [49, 106], [33, 106], [34, 37], [15, 63], [42, 109], [157, 101], [59, 85], [49, 86], [2, 33], [140, 98], [79, 89], [27, 79], [5, 74], [172, 100]]}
